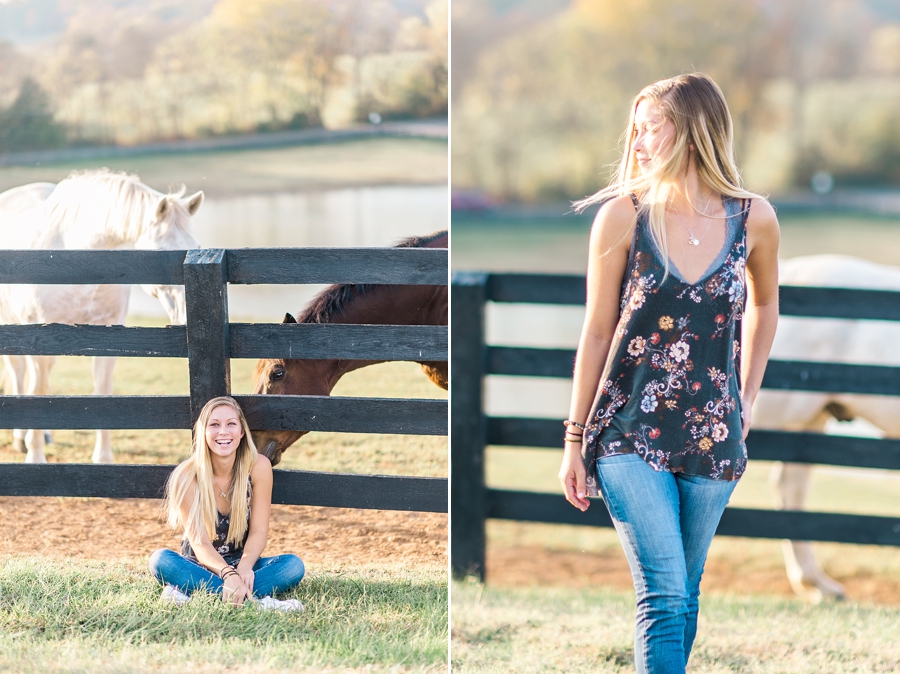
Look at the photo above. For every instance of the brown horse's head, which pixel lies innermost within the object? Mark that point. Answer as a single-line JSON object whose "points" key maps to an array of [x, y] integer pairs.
{"points": [[349, 303], [278, 376]]}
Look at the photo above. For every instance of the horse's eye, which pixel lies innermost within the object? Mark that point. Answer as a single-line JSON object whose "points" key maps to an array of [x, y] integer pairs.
{"points": [[276, 375]]}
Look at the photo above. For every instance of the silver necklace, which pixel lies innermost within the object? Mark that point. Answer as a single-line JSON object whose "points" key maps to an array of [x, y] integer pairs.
{"points": [[693, 240], [221, 493], [703, 212]]}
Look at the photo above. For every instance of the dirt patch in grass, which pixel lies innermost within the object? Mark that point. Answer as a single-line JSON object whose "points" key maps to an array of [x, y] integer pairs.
{"points": [[536, 566], [133, 528]]}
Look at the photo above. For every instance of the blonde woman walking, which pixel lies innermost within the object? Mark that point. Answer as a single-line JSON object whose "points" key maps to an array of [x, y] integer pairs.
{"points": [[221, 497], [682, 304]]}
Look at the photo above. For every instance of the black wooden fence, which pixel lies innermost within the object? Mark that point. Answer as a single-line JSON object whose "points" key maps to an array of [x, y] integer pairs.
{"points": [[209, 341], [472, 502]]}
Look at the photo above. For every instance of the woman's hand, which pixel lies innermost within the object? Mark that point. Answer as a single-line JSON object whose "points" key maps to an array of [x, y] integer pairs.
{"points": [[746, 410], [234, 590], [246, 574], [573, 476]]}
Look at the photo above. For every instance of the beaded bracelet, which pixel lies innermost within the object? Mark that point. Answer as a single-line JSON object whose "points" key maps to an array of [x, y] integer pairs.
{"points": [[569, 422]]}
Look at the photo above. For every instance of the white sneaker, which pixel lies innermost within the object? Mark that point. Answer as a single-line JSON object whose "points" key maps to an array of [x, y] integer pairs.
{"points": [[280, 604], [173, 594]]}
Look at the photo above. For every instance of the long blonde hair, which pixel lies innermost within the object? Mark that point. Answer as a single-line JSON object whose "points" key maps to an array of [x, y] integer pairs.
{"points": [[697, 108], [196, 472]]}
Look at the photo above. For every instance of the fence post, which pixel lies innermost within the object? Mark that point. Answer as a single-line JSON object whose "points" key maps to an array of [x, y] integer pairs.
{"points": [[206, 300], [467, 424]]}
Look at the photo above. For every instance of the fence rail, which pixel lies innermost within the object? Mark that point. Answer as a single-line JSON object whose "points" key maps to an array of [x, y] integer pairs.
{"points": [[209, 341], [293, 487], [409, 266], [247, 340], [472, 501]]}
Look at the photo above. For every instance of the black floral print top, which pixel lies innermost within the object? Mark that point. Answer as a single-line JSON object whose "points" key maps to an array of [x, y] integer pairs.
{"points": [[231, 553], [670, 390]]}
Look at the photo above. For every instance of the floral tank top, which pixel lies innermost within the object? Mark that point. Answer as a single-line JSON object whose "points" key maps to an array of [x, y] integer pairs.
{"points": [[231, 553], [670, 389]]}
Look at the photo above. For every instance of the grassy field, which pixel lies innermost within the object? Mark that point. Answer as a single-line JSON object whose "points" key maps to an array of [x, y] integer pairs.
{"points": [[108, 618], [378, 161], [565, 630]]}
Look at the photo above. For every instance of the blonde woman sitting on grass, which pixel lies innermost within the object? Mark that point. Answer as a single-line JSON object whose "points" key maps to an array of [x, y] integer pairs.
{"points": [[221, 496]]}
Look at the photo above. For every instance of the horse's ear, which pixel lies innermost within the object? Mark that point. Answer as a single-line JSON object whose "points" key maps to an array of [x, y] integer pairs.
{"points": [[289, 319], [194, 203], [162, 208]]}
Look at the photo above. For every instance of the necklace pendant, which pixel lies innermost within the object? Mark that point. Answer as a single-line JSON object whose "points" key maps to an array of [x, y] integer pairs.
{"points": [[222, 494], [693, 241]]}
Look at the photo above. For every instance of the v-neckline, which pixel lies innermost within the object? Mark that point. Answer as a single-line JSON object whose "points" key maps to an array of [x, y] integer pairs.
{"points": [[716, 261]]}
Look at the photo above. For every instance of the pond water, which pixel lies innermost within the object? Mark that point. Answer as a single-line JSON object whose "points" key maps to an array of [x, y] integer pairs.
{"points": [[351, 217]]}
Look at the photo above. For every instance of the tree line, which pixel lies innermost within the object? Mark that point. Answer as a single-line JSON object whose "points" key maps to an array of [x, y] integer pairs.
{"points": [[124, 75], [540, 106]]}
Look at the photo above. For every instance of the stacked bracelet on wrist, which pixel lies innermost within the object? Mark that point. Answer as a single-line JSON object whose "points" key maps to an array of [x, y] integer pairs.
{"points": [[226, 571], [572, 436]]}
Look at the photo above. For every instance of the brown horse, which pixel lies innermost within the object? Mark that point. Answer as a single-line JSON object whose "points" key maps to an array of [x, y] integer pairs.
{"points": [[369, 304]]}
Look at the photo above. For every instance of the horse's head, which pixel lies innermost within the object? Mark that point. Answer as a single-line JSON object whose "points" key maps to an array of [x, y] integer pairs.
{"points": [[169, 229], [277, 376]]}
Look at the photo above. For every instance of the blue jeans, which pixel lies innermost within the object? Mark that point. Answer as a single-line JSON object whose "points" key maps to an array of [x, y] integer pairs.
{"points": [[666, 522], [271, 574]]}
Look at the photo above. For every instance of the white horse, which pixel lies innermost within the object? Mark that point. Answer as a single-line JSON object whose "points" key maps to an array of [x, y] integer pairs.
{"points": [[826, 340], [90, 210]]}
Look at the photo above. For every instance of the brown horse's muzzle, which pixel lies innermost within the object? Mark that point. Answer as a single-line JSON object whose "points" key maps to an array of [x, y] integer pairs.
{"points": [[272, 444]]}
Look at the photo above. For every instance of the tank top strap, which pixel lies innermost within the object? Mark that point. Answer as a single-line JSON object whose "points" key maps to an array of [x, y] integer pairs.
{"points": [[629, 267], [745, 209]]}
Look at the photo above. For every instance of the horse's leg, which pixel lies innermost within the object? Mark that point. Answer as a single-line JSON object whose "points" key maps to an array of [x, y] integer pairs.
{"points": [[791, 484], [38, 384], [15, 375], [103, 386], [43, 389]]}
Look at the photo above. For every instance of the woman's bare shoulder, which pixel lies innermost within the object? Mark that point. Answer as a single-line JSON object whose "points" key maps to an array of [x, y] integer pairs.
{"points": [[614, 223], [262, 463], [762, 218]]}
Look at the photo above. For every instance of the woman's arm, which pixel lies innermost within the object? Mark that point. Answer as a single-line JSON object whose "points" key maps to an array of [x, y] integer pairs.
{"points": [[235, 590], [761, 313], [608, 257], [260, 508]]}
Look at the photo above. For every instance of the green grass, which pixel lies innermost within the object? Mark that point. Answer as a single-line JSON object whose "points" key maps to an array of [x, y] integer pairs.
{"points": [[96, 617], [335, 452], [377, 161], [562, 630]]}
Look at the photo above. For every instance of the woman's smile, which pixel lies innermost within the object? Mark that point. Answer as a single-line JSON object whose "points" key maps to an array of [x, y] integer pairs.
{"points": [[223, 431]]}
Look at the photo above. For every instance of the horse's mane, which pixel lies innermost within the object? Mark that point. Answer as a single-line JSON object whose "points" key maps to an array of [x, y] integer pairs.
{"points": [[332, 301], [117, 204]]}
